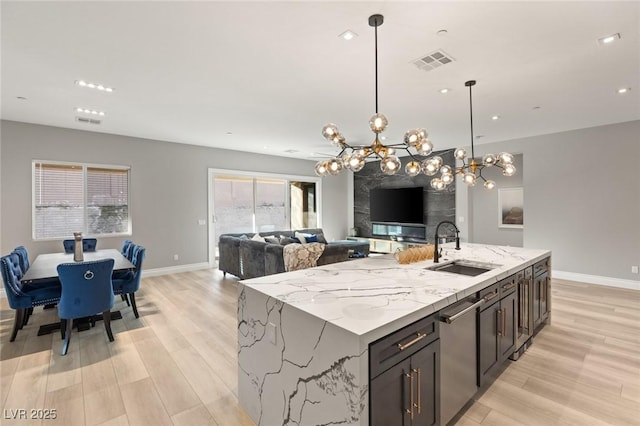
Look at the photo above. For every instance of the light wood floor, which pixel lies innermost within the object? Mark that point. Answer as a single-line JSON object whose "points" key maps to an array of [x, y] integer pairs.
{"points": [[177, 363]]}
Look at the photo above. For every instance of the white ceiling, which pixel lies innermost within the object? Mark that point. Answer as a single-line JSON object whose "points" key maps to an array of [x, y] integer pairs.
{"points": [[273, 73]]}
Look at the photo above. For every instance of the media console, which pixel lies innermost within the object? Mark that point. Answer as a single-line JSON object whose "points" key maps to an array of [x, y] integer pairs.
{"points": [[380, 245]]}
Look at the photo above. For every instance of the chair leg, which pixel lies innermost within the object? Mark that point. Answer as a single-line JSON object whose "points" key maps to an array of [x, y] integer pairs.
{"points": [[67, 336], [63, 327], [17, 323], [125, 298], [106, 318], [26, 317], [224, 274], [132, 296]]}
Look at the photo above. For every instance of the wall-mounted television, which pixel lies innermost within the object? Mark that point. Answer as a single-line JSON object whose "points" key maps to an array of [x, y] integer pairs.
{"points": [[397, 205]]}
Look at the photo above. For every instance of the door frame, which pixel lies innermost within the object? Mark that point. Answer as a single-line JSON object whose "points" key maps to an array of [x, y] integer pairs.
{"points": [[211, 174]]}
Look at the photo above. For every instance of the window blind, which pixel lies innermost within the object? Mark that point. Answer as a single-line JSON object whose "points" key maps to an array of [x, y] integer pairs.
{"points": [[61, 207]]}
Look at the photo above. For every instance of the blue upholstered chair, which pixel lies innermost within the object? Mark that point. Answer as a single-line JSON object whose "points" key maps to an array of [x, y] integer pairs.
{"points": [[23, 298], [24, 258], [88, 244], [126, 248], [86, 290], [130, 284]]}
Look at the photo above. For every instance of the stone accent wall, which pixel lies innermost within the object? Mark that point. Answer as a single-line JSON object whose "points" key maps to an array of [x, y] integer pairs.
{"points": [[438, 205]]}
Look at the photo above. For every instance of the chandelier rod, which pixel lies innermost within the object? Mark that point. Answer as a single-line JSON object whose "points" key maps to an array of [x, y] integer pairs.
{"points": [[375, 21], [471, 83]]}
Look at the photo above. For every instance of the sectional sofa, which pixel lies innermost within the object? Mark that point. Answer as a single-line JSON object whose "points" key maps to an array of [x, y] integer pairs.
{"points": [[244, 257]]}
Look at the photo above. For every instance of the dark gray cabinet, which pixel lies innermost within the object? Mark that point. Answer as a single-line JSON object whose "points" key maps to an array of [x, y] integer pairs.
{"points": [[541, 291], [497, 327], [405, 370]]}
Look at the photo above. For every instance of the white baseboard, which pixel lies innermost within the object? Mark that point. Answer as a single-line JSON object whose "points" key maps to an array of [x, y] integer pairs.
{"points": [[175, 269], [596, 279]]}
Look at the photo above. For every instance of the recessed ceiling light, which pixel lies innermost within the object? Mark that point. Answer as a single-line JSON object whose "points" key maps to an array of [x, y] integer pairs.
{"points": [[229, 133], [624, 90], [90, 111], [495, 117], [21, 98], [348, 35], [536, 107], [442, 32], [479, 136], [445, 90], [609, 39], [96, 86]]}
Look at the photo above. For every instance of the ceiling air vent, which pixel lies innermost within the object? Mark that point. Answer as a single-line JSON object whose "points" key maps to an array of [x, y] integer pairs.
{"points": [[87, 120], [433, 60]]}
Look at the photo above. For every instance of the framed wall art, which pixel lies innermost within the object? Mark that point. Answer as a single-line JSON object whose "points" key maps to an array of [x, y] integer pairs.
{"points": [[510, 208]]}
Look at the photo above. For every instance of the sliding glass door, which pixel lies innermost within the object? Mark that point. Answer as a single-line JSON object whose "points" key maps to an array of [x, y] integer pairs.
{"points": [[303, 205], [246, 203], [270, 202]]}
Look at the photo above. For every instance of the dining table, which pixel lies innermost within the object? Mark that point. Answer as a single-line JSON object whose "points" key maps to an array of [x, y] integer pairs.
{"points": [[44, 271]]}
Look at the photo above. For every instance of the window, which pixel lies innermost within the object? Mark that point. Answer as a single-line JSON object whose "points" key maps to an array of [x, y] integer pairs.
{"points": [[68, 198], [263, 204]]}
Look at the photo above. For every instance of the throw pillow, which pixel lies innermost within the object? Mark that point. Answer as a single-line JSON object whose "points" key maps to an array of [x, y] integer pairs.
{"points": [[243, 237], [257, 237], [287, 240], [272, 240], [301, 237], [311, 238]]}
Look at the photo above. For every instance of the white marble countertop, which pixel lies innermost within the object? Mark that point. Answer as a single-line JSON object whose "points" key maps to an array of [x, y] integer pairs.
{"points": [[373, 295]]}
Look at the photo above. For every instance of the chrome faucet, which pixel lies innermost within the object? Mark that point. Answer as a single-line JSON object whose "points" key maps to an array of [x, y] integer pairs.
{"points": [[436, 255]]}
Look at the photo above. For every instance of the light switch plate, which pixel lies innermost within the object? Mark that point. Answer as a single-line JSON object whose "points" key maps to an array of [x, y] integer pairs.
{"points": [[634, 269], [202, 222]]}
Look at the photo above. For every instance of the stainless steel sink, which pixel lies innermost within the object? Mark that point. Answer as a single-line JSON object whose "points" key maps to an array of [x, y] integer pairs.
{"points": [[463, 267]]}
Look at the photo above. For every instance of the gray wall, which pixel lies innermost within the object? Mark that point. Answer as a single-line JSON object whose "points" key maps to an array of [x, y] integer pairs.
{"points": [[484, 222], [582, 198], [168, 187]]}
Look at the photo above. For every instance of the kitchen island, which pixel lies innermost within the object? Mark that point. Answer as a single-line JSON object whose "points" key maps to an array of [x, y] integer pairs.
{"points": [[304, 337]]}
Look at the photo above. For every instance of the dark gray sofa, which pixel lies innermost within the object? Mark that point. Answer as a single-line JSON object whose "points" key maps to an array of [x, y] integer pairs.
{"points": [[246, 258]]}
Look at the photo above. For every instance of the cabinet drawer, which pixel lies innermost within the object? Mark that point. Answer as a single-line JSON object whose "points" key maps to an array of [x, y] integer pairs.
{"points": [[389, 350], [490, 295], [541, 267], [507, 285]]}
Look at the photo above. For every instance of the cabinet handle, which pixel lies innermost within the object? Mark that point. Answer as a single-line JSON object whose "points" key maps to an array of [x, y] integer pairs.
{"points": [[419, 336], [410, 410], [544, 289], [509, 286], [504, 322], [417, 371], [491, 296], [499, 321]]}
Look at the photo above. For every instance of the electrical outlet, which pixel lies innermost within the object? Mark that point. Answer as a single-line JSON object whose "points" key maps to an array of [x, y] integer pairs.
{"points": [[634, 269], [202, 222], [271, 333], [175, 257], [460, 219]]}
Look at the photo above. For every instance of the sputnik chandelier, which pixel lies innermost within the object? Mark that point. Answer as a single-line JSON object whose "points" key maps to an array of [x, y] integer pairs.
{"points": [[471, 170], [353, 157]]}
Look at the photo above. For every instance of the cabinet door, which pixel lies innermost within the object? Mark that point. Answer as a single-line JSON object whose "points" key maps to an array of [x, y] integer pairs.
{"points": [[425, 365], [488, 352], [537, 292], [544, 297], [509, 326], [540, 299], [390, 396]]}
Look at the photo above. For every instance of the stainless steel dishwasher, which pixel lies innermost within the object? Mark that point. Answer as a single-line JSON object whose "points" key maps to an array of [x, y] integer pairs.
{"points": [[458, 363]]}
